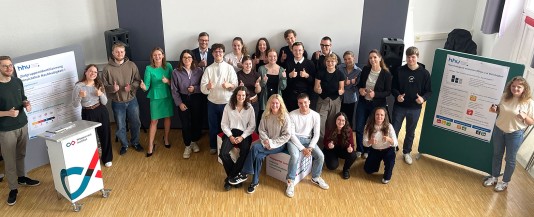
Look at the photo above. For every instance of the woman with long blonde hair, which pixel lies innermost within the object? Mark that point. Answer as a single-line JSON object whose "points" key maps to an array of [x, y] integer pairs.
{"points": [[274, 134]]}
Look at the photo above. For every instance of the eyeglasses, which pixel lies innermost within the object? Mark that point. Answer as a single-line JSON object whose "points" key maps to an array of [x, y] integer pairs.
{"points": [[325, 45], [7, 66]]}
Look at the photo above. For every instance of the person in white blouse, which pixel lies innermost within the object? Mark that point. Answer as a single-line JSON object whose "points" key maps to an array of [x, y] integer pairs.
{"points": [[238, 124], [379, 134], [239, 50]]}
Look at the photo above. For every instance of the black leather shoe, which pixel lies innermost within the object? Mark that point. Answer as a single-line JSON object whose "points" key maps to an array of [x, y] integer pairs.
{"points": [[149, 154], [166, 145], [345, 174], [227, 186], [123, 150], [138, 148]]}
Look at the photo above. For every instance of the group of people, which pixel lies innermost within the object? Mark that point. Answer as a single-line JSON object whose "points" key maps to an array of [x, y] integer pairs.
{"points": [[304, 106]]}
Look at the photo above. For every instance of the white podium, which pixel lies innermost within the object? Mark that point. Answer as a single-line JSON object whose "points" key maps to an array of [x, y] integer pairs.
{"points": [[75, 162]]}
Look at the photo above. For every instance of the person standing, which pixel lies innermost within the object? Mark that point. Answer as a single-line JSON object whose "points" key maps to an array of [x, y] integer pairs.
{"points": [[121, 80], [13, 129], [515, 113], [259, 57], [300, 78], [239, 50], [286, 52], [350, 97], [319, 56], [411, 88], [202, 54], [90, 94], [305, 130], [273, 79], [251, 80], [157, 82], [191, 102], [218, 82]]}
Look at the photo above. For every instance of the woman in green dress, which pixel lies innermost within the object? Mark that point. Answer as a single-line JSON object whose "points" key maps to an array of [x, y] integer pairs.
{"points": [[157, 82]]}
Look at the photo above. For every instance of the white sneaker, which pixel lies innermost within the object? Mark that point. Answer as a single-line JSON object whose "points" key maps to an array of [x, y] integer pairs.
{"points": [[290, 190], [187, 152], [365, 155], [108, 164], [358, 154], [320, 182], [385, 181], [501, 186], [490, 181], [408, 159], [195, 147]]}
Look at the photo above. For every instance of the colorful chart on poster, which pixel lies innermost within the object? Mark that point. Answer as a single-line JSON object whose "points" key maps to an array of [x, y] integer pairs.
{"points": [[468, 88]]}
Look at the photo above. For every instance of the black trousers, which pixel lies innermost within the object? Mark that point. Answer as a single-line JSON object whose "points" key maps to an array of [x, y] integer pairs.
{"points": [[372, 163], [100, 114], [231, 168], [192, 118], [331, 157], [348, 109]]}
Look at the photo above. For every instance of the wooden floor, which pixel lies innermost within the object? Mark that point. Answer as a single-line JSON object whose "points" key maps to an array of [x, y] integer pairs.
{"points": [[168, 185]]}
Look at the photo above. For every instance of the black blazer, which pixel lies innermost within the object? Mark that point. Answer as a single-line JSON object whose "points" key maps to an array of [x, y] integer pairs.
{"points": [[196, 55], [382, 87]]}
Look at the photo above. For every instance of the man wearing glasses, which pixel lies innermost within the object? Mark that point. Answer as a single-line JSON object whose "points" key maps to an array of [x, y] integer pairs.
{"points": [[218, 82], [13, 129], [202, 53], [326, 49]]}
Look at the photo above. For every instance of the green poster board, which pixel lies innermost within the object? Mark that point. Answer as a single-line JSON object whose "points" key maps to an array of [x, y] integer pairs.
{"points": [[449, 145]]}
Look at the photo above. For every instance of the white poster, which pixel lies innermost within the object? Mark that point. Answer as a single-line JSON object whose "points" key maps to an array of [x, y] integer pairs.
{"points": [[468, 89], [48, 84]]}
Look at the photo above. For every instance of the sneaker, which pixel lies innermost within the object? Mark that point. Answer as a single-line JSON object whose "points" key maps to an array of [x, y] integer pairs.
{"points": [[501, 186], [138, 148], [408, 159], [320, 182], [1, 177], [358, 154], [213, 151], [490, 181], [123, 150], [345, 174], [108, 164], [385, 181], [290, 190], [187, 152], [195, 147], [252, 188], [365, 155], [238, 179], [23, 180], [12, 198]]}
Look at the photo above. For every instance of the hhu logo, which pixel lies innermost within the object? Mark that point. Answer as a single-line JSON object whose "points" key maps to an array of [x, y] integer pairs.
{"points": [[452, 60], [23, 67]]}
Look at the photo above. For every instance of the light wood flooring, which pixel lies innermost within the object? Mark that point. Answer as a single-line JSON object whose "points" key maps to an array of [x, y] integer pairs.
{"points": [[168, 185]]}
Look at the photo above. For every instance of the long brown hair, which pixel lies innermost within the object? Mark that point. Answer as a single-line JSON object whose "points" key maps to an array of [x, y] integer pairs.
{"points": [[382, 63], [346, 131], [233, 98], [370, 125], [98, 83], [525, 96], [163, 61], [180, 62]]}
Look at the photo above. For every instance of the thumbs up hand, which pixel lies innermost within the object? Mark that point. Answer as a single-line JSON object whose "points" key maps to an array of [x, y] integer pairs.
{"points": [[293, 74], [241, 83], [209, 86], [127, 88], [99, 91], [400, 97], [82, 93], [304, 74], [13, 113], [283, 56], [142, 85], [27, 105], [165, 80], [419, 99], [115, 86]]}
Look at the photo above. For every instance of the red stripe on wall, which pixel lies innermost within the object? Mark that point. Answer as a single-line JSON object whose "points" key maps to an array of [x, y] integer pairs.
{"points": [[529, 21]]}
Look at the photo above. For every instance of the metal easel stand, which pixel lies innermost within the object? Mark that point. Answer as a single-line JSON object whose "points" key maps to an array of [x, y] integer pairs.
{"points": [[531, 160]]}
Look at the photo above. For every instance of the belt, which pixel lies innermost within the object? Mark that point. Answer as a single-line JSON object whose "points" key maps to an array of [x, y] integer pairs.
{"points": [[93, 106]]}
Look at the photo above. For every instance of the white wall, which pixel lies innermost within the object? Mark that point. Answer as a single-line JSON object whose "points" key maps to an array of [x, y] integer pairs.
{"points": [[32, 26], [434, 19], [249, 19]]}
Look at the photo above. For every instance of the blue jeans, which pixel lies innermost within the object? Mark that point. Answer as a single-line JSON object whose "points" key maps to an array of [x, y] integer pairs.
{"points": [[129, 109], [215, 112], [317, 154], [412, 117], [501, 141], [255, 159]]}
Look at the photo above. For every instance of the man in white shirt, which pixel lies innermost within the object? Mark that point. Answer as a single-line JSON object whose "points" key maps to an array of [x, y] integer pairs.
{"points": [[218, 82], [304, 137]]}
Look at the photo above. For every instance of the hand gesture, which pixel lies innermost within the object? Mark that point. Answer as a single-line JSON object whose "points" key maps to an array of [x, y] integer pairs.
{"points": [[226, 85], [362, 91], [284, 74], [317, 54], [230, 62], [265, 78], [341, 91], [350, 149], [13, 113], [239, 65], [304, 74], [202, 63], [266, 144], [293, 74], [209, 86], [331, 145], [241, 84], [521, 115], [419, 99], [191, 89], [371, 93], [143, 85], [353, 81], [373, 141], [257, 84], [387, 139], [183, 107], [400, 97], [306, 152], [115, 86], [165, 80], [99, 91], [82, 93], [27, 105], [283, 56], [494, 108], [256, 61], [318, 89], [127, 88], [347, 82]]}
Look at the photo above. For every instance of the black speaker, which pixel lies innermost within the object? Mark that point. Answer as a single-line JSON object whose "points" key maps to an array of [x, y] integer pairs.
{"points": [[392, 51], [118, 35]]}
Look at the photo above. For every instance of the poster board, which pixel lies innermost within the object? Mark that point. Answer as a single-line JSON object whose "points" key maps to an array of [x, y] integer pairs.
{"points": [[457, 125]]}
